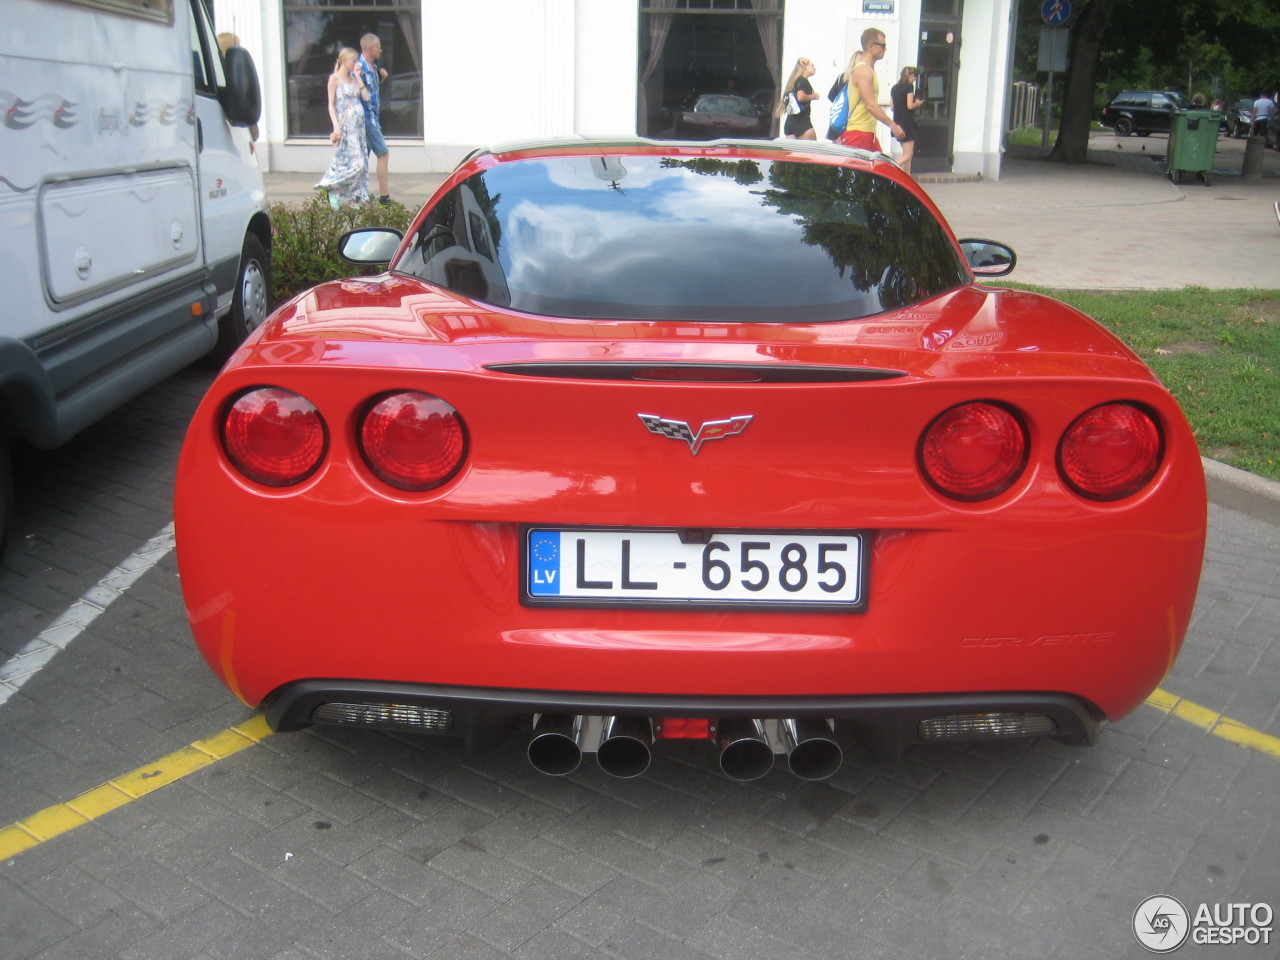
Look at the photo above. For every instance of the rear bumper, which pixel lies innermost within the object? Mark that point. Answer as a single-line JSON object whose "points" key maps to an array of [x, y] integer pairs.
{"points": [[882, 724]]}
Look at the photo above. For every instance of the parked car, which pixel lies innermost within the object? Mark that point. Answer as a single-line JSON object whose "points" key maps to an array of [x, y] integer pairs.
{"points": [[717, 115], [1239, 118], [1143, 111], [639, 442]]}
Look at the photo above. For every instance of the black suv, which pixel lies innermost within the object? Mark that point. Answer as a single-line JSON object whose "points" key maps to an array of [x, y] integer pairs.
{"points": [[1142, 111], [1240, 118]]}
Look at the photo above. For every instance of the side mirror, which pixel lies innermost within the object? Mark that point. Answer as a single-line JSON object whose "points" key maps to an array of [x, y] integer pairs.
{"points": [[374, 245], [987, 258], [241, 98]]}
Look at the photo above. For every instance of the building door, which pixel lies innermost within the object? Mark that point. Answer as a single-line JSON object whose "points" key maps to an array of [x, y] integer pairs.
{"points": [[939, 65], [721, 56]]}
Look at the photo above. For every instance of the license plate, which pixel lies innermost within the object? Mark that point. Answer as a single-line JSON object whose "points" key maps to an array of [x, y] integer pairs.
{"points": [[775, 569]]}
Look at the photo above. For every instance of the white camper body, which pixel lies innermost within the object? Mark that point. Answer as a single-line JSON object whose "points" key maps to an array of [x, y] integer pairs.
{"points": [[133, 219]]}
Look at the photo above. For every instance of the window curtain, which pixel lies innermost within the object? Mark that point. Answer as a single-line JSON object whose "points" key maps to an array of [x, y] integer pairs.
{"points": [[659, 27], [411, 26], [767, 24]]}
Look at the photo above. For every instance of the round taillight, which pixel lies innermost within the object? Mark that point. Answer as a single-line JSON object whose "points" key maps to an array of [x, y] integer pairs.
{"points": [[274, 436], [413, 441], [1111, 451], [974, 451]]}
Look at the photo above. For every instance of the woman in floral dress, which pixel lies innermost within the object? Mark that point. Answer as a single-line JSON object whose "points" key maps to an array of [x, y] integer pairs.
{"points": [[347, 179]]}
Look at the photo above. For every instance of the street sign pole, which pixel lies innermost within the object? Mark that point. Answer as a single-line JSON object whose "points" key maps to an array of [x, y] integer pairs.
{"points": [[1048, 114], [1054, 42]]}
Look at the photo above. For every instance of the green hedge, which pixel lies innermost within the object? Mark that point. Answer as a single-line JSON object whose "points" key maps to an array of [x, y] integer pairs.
{"points": [[304, 247]]}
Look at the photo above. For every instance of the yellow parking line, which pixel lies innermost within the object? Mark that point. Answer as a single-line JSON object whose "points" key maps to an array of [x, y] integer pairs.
{"points": [[1215, 723], [62, 817]]}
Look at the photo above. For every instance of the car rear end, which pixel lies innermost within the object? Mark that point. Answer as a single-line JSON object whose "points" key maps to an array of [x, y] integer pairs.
{"points": [[974, 516]]}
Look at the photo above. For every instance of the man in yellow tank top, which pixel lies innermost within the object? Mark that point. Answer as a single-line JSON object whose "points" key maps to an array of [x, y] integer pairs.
{"points": [[864, 96]]}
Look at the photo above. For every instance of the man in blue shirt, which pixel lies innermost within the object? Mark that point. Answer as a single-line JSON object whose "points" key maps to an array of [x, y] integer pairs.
{"points": [[373, 75]]}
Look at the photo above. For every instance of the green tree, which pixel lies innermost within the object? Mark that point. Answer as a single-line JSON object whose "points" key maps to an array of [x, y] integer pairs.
{"points": [[1152, 44], [1087, 39]]}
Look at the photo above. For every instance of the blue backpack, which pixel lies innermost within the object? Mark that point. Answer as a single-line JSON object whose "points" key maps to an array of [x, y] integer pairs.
{"points": [[839, 113]]}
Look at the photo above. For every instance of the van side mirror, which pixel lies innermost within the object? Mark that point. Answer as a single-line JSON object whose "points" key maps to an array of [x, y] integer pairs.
{"points": [[988, 258], [241, 98]]}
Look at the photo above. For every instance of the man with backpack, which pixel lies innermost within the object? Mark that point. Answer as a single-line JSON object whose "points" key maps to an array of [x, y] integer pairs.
{"points": [[856, 110]]}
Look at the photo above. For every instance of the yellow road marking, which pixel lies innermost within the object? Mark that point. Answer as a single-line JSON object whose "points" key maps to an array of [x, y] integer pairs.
{"points": [[62, 817], [1215, 723]]}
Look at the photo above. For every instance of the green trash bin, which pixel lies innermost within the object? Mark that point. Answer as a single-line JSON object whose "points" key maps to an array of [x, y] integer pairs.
{"points": [[1193, 140]]}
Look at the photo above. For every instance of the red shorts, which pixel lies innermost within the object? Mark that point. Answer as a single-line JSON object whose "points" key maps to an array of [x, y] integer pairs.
{"points": [[860, 140]]}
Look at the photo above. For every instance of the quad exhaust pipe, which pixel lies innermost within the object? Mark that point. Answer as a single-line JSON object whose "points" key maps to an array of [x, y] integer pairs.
{"points": [[623, 746], [812, 751], [745, 753], [556, 747]]}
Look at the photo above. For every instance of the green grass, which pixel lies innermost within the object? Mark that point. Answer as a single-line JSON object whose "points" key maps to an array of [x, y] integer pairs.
{"points": [[1217, 351], [1029, 136]]}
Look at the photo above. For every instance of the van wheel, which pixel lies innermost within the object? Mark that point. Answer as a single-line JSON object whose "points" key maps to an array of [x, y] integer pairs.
{"points": [[1124, 127], [251, 302]]}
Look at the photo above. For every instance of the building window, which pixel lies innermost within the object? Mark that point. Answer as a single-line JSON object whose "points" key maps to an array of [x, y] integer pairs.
{"points": [[314, 32], [694, 50]]}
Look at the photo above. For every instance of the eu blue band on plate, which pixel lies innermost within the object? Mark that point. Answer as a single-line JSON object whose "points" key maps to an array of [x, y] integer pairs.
{"points": [[544, 563]]}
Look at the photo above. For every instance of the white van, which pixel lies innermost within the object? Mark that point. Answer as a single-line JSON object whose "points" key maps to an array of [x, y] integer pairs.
{"points": [[134, 235]]}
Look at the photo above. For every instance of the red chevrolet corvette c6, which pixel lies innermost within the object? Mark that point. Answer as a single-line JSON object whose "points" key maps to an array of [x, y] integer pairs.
{"points": [[637, 441]]}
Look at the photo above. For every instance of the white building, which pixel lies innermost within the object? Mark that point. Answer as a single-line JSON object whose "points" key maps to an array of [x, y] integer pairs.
{"points": [[475, 72]]}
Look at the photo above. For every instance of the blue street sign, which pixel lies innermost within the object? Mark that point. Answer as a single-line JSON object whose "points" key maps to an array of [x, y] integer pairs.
{"points": [[1056, 12]]}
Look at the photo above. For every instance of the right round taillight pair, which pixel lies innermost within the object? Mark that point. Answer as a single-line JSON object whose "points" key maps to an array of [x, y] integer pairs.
{"points": [[976, 451], [410, 440]]}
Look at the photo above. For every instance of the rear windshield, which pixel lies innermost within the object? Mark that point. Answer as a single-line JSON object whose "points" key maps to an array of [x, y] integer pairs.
{"points": [[671, 238]]}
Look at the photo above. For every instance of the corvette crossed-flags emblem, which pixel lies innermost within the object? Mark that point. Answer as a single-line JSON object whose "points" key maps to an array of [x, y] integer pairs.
{"points": [[680, 429]]}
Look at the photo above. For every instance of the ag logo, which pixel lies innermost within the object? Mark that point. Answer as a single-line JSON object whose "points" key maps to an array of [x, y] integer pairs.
{"points": [[1161, 924]]}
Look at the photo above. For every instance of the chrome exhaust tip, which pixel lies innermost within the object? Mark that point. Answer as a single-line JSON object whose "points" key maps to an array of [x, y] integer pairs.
{"points": [[745, 753], [811, 748], [624, 746], [556, 747]]}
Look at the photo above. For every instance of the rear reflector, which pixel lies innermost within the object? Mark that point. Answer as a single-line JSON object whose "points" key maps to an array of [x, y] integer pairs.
{"points": [[683, 728], [397, 716], [987, 726]]}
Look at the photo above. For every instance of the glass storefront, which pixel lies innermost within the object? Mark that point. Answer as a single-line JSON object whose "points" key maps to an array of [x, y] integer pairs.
{"points": [[314, 32]]}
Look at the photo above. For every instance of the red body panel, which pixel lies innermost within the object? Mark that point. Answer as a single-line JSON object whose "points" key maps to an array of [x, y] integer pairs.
{"points": [[1036, 590]]}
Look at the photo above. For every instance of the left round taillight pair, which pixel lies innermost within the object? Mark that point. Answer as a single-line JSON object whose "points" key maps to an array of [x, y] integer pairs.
{"points": [[409, 440]]}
